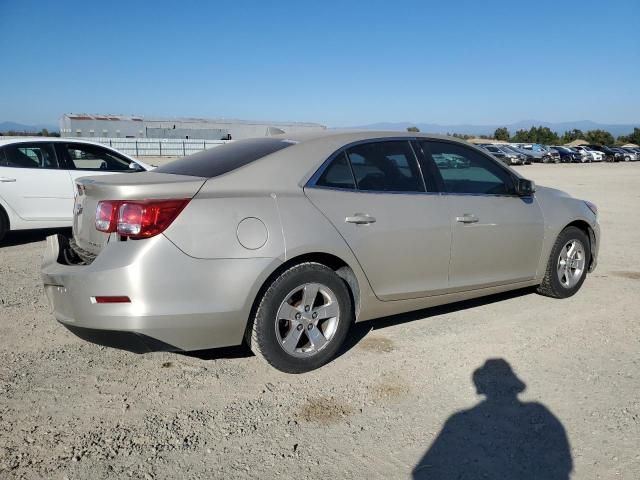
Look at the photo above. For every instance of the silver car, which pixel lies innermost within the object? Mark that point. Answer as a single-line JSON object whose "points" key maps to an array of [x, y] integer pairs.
{"points": [[285, 242]]}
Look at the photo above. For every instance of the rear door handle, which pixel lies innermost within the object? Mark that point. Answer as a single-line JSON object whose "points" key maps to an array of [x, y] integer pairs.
{"points": [[7, 179], [360, 219], [467, 218]]}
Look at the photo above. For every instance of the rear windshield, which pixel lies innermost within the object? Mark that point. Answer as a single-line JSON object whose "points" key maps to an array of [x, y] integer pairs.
{"points": [[225, 158]]}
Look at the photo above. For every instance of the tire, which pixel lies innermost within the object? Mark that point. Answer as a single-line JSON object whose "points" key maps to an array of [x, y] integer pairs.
{"points": [[285, 333], [560, 281], [4, 224]]}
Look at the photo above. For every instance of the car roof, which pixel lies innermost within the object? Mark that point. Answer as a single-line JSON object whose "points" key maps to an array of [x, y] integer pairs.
{"points": [[10, 140], [288, 169], [349, 135]]}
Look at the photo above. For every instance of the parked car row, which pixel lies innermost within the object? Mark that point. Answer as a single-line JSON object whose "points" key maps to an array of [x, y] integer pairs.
{"points": [[599, 153], [524, 154]]}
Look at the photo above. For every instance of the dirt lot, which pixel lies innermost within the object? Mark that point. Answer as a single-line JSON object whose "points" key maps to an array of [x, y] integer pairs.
{"points": [[69, 409]]}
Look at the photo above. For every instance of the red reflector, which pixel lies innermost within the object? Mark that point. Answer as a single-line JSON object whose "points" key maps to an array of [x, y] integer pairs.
{"points": [[112, 299]]}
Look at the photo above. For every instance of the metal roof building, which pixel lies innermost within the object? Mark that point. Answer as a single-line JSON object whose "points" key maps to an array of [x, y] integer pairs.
{"points": [[122, 126]]}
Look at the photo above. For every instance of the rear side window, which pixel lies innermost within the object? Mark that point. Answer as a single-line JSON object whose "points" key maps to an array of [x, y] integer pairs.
{"points": [[30, 155], [92, 157], [385, 167], [338, 174], [225, 158]]}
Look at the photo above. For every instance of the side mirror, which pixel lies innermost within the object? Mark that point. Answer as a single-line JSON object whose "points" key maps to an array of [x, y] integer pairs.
{"points": [[135, 167], [524, 187]]}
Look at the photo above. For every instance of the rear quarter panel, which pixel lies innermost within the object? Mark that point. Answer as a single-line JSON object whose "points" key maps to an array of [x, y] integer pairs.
{"points": [[208, 229], [208, 226]]}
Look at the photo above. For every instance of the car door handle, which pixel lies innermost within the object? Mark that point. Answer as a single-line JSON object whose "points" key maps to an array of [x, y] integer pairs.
{"points": [[7, 179], [467, 218], [360, 219]]}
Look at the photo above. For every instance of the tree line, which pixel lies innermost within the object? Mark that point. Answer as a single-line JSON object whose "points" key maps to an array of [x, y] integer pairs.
{"points": [[42, 133], [546, 136]]}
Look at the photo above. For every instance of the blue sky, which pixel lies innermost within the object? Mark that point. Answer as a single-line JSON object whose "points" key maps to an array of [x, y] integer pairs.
{"points": [[339, 63]]}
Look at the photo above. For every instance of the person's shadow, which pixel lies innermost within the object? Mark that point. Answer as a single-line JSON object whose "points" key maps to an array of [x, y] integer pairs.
{"points": [[500, 438]]}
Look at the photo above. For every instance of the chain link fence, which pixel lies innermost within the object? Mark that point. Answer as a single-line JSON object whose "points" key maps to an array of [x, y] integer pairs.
{"points": [[156, 147]]}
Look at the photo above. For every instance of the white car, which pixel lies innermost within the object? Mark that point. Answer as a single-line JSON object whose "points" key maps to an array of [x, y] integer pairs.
{"points": [[38, 174], [595, 155]]}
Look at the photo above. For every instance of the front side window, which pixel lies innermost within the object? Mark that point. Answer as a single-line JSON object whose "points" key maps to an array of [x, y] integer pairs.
{"points": [[29, 155], [92, 157], [471, 172], [385, 167]]}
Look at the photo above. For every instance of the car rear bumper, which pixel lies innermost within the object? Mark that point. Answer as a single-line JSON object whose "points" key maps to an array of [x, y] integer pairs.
{"points": [[177, 302], [130, 341]]}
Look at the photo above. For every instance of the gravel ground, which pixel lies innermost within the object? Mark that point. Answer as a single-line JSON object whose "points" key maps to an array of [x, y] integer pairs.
{"points": [[69, 409]]}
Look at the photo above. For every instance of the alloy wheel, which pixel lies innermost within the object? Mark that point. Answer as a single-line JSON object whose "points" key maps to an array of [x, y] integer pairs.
{"points": [[571, 263], [307, 319]]}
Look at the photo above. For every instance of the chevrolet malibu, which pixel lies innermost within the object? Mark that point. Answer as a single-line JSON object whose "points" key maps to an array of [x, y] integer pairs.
{"points": [[285, 242]]}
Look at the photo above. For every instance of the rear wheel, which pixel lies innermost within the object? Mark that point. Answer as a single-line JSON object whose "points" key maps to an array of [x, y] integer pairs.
{"points": [[302, 319], [568, 264]]}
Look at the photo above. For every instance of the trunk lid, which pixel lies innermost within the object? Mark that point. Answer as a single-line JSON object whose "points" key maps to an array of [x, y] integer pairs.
{"points": [[133, 186]]}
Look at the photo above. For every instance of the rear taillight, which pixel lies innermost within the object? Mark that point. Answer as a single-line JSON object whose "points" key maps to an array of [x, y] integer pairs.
{"points": [[107, 216], [137, 218]]}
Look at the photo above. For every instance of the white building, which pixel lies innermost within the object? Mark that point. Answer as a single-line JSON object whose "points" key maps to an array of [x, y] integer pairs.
{"points": [[121, 126]]}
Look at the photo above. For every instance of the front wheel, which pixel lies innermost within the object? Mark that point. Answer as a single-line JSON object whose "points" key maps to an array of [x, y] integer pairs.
{"points": [[302, 319], [568, 264]]}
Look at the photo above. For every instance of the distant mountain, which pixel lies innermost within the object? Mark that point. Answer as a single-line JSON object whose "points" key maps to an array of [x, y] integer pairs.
{"points": [[19, 127], [561, 127]]}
